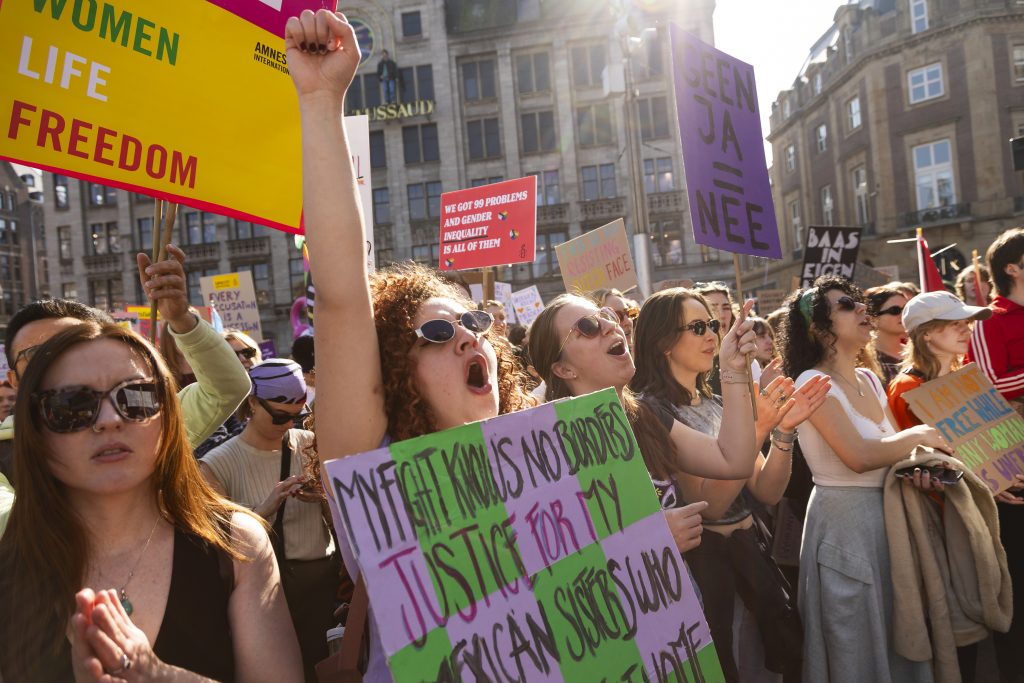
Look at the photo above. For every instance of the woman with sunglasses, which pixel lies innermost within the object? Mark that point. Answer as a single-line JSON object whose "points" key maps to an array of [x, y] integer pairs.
{"points": [[264, 469], [405, 353], [247, 350], [845, 591], [885, 308], [180, 584], [620, 305], [677, 338]]}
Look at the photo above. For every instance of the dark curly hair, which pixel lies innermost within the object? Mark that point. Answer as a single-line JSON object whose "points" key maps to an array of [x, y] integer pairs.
{"points": [[804, 346], [398, 291]]}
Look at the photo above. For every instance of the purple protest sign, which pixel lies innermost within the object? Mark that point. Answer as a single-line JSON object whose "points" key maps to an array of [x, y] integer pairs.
{"points": [[723, 153]]}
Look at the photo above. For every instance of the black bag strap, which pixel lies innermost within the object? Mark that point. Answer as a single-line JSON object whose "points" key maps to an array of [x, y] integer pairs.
{"points": [[278, 525]]}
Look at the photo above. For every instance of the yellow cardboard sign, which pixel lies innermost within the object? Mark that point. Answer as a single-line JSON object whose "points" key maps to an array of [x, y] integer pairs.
{"points": [[189, 100]]}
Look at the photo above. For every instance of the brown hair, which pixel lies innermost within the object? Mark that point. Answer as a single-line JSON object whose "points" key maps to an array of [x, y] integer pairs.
{"points": [[919, 357], [875, 297], [658, 328], [968, 274], [398, 291], [651, 435], [1006, 250], [44, 552], [703, 288], [598, 296]]}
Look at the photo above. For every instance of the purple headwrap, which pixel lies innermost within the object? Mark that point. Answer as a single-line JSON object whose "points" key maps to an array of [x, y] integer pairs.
{"points": [[278, 380]]}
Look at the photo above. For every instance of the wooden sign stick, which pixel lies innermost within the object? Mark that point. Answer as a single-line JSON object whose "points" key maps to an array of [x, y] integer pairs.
{"points": [[161, 238], [487, 282], [979, 298], [742, 318]]}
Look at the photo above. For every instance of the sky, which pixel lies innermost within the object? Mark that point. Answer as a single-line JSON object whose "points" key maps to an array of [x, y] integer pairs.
{"points": [[775, 36]]}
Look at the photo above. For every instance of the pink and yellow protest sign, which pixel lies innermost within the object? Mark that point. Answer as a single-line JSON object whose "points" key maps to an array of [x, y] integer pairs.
{"points": [[189, 101], [598, 259], [528, 547]]}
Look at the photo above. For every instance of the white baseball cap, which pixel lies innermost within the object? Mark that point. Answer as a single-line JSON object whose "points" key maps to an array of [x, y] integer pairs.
{"points": [[940, 306]]}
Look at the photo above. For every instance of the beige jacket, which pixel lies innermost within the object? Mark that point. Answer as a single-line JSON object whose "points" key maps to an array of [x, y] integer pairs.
{"points": [[949, 573]]}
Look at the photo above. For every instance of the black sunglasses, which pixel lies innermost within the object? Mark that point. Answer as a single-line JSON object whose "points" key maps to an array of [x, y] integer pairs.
{"points": [[440, 331], [73, 409], [701, 327], [280, 417], [846, 303], [248, 353], [892, 310], [589, 326]]}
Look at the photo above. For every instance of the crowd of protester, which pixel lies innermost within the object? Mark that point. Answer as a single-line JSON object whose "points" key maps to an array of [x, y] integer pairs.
{"points": [[162, 512]]}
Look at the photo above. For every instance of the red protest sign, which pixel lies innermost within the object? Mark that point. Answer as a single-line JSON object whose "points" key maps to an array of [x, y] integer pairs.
{"points": [[490, 225]]}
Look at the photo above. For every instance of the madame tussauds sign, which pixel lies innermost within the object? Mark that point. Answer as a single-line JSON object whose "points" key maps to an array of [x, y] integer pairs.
{"points": [[390, 112]]}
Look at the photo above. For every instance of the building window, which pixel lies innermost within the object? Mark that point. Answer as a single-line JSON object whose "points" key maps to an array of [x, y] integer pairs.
{"points": [[933, 175], [658, 175], [598, 182], [918, 15], [424, 200], [790, 158], [666, 245], [709, 254], [144, 228], [594, 125], [381, 205], [260, 275], [925, 83], [478, 80], [69, 290], [545, 264], [533, 72], [484, 139], [384, 258], [427, 254], [64, 243], [653, 118], [588, 63], [853, 114], [378, 156], [106, 294], [1018, 63], [420, 143], [655, 62], [847, 45], [105, 238], [548, 188], [827, 213], [480, 182], [200, 228], [244, 230], [859, 176], [101, 195], [192, 281], [796, 225], [296, 273], [787, 109], [417, 83], [821, 137], [816, 83], [538, 131], [412, 26], [60, 191]]}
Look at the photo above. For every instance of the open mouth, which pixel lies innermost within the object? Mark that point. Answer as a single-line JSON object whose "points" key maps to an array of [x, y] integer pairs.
{"points": [[113, 452], [476, 376], [617, 349]]}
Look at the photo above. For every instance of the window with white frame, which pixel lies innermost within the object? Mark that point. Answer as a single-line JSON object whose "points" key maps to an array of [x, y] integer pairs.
{"points": [[925, 83], [827, 206], [787, 109], [817, 83], [933, 175], [853, 114], [796, 225], [821, 137], [859, 178], [658, 175], [918, 15], [791, 158], [1018, 63]]}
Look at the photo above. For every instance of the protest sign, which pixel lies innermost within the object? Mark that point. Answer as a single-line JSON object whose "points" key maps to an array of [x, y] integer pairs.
{"points": [[892, 271], [234, 297], [527, 304], [867, 277], [830, 250], [723, 150], [502, 293], [357, 130], [976, 420], [268, 349], [4, 367], [141, 318], [598, 259], [769, 300], [490, 225], [78, 75], [527, 547], [661, 285]]}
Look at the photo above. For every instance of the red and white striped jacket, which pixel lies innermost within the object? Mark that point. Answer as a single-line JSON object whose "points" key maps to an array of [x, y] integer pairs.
{"points": [[997, 346]]}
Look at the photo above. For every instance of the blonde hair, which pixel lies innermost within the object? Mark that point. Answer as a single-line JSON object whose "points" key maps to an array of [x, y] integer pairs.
{"points": [[920, 357], [232, 334]]}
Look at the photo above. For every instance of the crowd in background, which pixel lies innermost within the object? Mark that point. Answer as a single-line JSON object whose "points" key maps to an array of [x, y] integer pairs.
{"points": [[163, 516]]}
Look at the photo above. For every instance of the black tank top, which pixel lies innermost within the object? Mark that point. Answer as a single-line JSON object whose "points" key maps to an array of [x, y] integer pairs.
{"points": [[195, 633]]}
